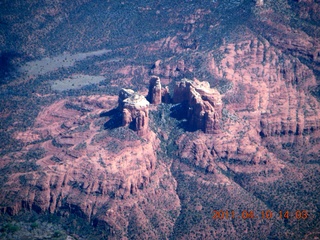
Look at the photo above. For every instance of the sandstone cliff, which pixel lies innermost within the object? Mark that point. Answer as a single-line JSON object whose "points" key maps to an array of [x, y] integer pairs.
{"points": [[258, 150], [134, 111], [276, 99], [268, 114], [204, 104], [155, 91], [107, 177]]}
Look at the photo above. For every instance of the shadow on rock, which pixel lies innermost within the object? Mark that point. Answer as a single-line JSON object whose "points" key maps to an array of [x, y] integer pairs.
{"points": [[115, 119], [315, 91], [180, 113]]}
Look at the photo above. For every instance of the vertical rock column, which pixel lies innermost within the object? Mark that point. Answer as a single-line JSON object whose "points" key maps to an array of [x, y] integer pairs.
{"points": [[155, 93], [142, 121], [134, 111], [211, 122]]}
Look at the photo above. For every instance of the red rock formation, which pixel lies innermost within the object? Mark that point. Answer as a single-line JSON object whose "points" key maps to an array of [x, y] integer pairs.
{"points": [[124, 94], [269, 105], [270, 89], [181, 91], [123, 184], [166, 98], [104, 180], [135, 109], [294, 40], [155, 92], [168, 69], [211, 122], [204, 104]]}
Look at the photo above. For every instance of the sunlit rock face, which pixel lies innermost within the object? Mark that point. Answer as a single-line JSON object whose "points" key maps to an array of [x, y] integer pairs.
{"points": [[135, 111], [124, 94], [271, 89], [155, 92], [204, 104], [100, 176]]}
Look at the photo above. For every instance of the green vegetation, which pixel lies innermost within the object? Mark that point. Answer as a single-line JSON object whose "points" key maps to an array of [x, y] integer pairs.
{"points": [[35, 154], [32, 226], [10, 228], [227, 115], [81, 146], [122, 28], [161, 122]]}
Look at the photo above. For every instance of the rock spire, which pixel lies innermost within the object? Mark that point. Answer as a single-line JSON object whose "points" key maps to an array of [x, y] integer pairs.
{"points": [[134, 111]]}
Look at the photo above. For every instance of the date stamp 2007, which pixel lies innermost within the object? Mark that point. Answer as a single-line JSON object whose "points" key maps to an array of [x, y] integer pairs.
{"points": [[265, 214]]}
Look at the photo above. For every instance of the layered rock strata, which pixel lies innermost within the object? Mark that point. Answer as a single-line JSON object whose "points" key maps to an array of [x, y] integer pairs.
{"points": [[270, 88], [135, 111], [102, 177], [204, 104], [155, 91]]}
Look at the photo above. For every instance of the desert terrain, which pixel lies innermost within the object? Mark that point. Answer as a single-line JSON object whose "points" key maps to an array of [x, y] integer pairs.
{"points": [[160, 120]]}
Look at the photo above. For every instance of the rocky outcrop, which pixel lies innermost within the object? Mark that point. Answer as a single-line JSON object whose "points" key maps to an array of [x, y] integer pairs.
{"points": [[270, 89], [102, 177], [204, 104], [155, 92], [134, 110], [300, 42], [174, 69], [269, 122], [124, 94], [166, 98]]}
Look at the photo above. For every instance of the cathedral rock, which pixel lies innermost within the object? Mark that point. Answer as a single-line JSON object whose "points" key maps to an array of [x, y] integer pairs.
{"points": [[203, 112], [204, 104], [134, 111]]}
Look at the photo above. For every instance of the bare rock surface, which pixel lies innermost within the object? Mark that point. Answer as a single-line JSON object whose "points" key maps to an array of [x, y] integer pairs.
{"points": [[134, 110], [102, 177], [247, 139], [204, 104], [274, 98], [155, 92]]}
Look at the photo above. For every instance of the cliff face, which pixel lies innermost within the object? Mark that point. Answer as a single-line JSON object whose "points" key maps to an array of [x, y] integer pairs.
{"points": [[268, 113], [270, 88], [257, 141], [204, 104], [203, 111], [134, 111], [107, 177]]}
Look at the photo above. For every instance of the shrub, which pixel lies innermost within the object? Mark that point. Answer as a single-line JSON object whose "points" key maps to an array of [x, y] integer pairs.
{"points": [[11, 228], [34, 225]]}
